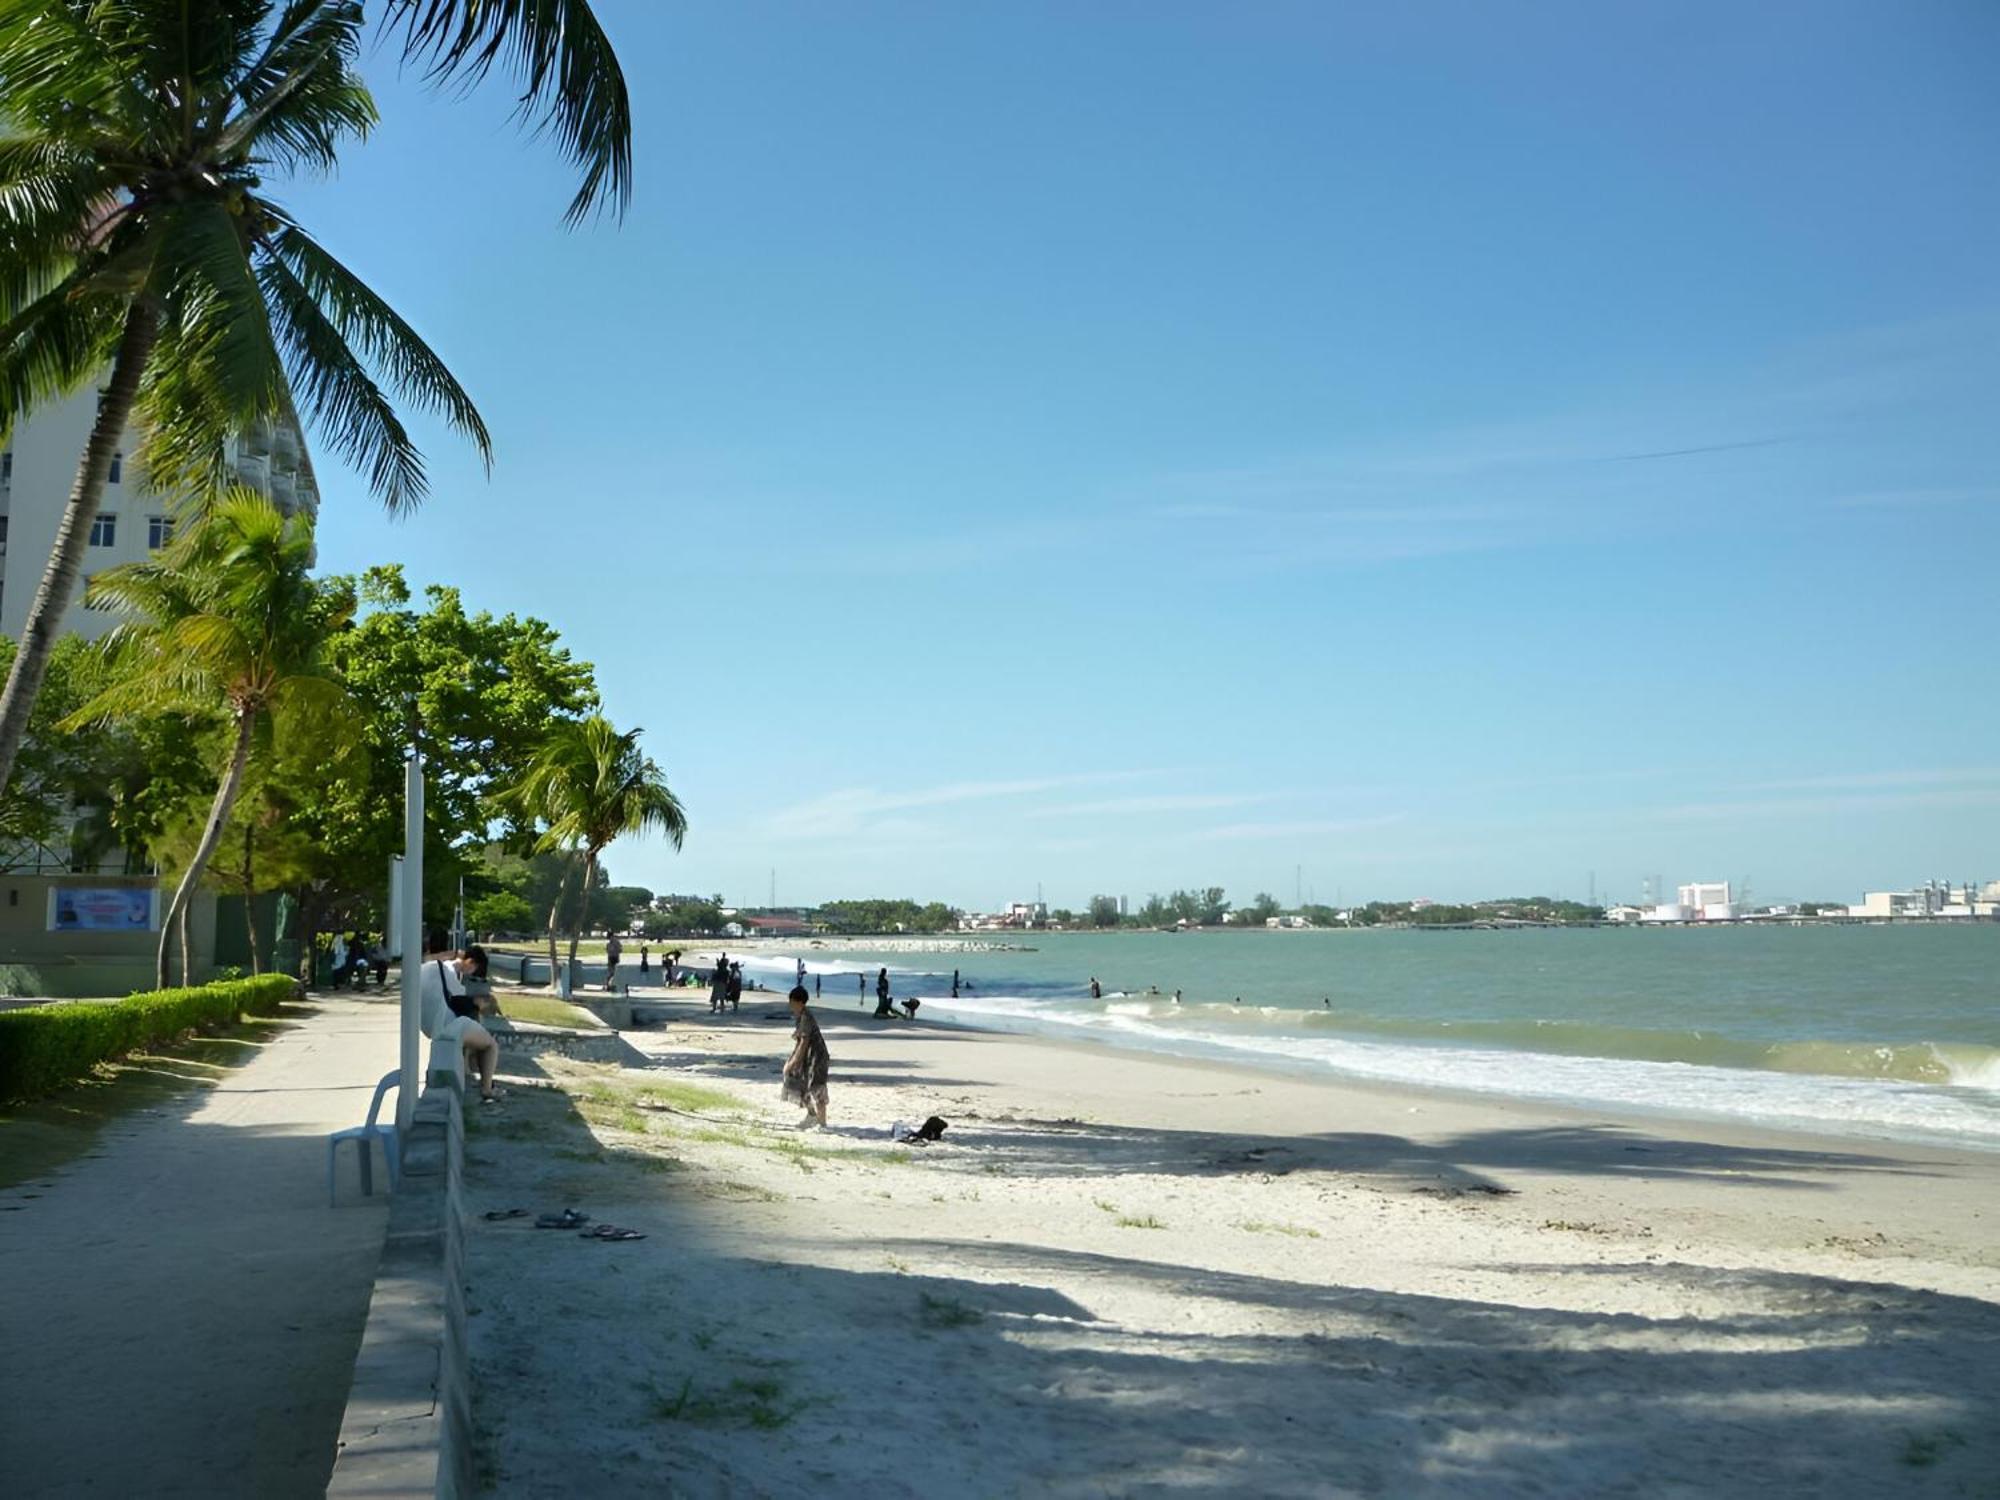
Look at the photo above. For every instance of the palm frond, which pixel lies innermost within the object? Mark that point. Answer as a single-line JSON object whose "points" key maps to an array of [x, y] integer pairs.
{"points": [[52, 346], [302, 98], [216, 368], [347, 408], [571, 81], [50, 193], [363, 319], [58, 61]]}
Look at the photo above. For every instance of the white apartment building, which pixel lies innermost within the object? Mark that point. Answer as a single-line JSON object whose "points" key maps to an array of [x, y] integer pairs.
{"points": [[38, 466]]}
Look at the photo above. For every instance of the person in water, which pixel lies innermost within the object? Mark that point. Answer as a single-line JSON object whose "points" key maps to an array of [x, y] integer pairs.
{"points": [[1096, 989]]}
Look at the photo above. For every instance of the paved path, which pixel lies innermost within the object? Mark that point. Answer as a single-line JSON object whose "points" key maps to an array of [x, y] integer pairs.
{"points": [[182, 1309]]}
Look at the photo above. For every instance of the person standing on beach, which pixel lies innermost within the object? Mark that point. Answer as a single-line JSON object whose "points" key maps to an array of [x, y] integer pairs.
{"points": [[613, 951], [882, 993], [800, 981], [718, 984], [736, 985], [643, 951], [954, 984], [806, 1068]]}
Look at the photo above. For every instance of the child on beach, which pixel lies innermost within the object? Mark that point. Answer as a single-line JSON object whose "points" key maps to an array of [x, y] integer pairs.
{"points": [[806, 1068]]}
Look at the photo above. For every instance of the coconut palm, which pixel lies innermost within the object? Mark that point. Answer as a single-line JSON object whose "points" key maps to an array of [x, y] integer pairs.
{"points": [[590, 784], [228, 616], [135, 234]]}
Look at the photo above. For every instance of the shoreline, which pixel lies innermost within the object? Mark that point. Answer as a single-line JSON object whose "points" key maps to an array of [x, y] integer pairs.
{"points": [[1121, 1273]]}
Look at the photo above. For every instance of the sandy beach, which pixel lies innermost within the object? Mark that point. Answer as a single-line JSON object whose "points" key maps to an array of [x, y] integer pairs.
{"points": [[1121, 1274]]}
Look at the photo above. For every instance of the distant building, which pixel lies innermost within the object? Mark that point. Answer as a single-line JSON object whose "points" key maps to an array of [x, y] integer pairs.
{"points": [[38, 468], [1705, 901], [781, 925]]}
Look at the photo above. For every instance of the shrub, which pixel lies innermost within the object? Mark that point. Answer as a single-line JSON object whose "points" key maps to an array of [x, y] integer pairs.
{"points": [[47, 1047]]}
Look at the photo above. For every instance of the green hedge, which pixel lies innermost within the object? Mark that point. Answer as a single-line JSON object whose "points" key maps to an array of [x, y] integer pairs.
{"points": [[47, 1047]]}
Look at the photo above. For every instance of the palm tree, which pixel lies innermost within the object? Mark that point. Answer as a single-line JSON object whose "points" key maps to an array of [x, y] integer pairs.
{"points": [[134, 233], [590, 784], [227, 616]]}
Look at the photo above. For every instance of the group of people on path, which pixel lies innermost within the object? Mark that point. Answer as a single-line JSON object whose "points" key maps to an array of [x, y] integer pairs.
{"points": [[352, 958]]}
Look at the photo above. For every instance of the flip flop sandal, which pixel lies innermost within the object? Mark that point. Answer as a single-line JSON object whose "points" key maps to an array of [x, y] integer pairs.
{"points": [[506, 1213], [607, 1232], [569, 1218]]}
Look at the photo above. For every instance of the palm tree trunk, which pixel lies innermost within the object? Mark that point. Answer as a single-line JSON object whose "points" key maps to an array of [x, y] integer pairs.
{"points": [[555, 917], [187, 947], [218, 814], [58, 586], [583, 906], [250, 893]]}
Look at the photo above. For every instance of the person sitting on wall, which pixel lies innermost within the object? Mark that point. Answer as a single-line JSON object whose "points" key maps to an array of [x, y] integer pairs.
{"points": [[444, 1010], [478, 987]]}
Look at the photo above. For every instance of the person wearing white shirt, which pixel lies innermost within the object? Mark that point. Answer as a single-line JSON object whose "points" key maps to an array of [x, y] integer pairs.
{"points": [[443, 1010]]}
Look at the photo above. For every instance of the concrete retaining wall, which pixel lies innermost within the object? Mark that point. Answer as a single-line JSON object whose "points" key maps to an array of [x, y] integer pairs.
{"points": [[524, 1037], [408, 1427]]}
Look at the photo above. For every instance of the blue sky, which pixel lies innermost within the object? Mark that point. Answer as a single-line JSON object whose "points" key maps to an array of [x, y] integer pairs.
{"points": [[1438, 450]]}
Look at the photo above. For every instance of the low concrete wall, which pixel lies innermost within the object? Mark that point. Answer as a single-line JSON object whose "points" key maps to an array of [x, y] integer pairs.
{"points": [[524, 1037], [408, 1427]]}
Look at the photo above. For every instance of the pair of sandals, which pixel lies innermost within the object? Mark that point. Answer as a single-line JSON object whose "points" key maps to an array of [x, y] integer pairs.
{"points": [[609, 1232], [569, 1218]]}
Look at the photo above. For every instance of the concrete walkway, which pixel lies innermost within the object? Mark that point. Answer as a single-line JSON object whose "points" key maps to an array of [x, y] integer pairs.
{"points": [[181, 1308]]}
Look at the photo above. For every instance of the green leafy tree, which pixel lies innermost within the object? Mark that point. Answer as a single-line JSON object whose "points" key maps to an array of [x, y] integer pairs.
{"points": [[483, 691], [589, 785], [1262, 908], [135, 233], [684, 919], [499, 911], [1104, 911], [226, 616]]}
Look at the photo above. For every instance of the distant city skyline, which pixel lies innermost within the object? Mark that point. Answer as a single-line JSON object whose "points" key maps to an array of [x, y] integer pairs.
{"points": [[1452, 450]]}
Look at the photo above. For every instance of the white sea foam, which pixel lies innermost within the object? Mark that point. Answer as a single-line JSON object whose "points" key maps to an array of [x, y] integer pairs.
{"points": [[1967, 1113]]}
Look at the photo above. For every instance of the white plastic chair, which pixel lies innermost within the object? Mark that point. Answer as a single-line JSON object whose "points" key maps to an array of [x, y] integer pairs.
{"points": [[366, 1136]]}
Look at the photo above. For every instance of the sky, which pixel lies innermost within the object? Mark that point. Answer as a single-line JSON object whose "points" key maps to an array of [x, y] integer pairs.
{"points": [[1338, 450]]}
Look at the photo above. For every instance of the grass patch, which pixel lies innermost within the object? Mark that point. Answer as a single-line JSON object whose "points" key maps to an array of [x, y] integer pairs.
{"points": [[546, 1010], [1142, 1221], [1925, 1448], [688, 1096], [1104, 1203], [946, 1312], [1296, 1231], [757, 1403]]}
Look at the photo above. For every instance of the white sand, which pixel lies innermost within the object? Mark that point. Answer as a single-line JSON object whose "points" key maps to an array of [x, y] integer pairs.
{"points": [[1123, 1275]]}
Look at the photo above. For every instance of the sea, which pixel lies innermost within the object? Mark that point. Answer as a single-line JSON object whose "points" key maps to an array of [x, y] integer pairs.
{"points": [[1887, 1031]]}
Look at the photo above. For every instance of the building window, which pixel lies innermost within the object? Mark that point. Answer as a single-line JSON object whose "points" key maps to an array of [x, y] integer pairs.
{"points": [[104, 530], [117, 466], [159, 531]]}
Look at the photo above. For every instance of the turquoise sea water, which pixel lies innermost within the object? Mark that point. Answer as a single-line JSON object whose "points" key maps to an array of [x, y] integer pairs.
{"points": [[1888, 1031]]}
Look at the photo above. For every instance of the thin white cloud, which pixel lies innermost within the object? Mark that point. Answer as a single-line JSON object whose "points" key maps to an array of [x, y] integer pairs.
{"points": [[1164, 802], [1919, 499], [1297, 828], [1909, 776], [1820, 807], [854, 810]]}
